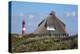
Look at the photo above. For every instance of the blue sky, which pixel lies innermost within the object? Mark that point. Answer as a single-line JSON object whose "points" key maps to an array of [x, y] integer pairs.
{"points": [[34, 13]]}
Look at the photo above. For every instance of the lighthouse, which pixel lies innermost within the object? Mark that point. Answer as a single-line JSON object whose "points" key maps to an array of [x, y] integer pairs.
{"points": [[23, 27]]}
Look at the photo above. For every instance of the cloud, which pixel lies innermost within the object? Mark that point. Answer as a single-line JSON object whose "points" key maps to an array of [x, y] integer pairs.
{"points": [[21, 14], [31, 16], [73, 13], [70, 14], [30, 24]]}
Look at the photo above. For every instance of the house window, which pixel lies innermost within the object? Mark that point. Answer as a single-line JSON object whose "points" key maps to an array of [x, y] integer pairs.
{"points": [[51, 28], [41, 22]]}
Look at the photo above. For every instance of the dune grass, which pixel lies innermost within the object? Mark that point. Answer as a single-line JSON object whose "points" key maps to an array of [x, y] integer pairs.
{"points": [[44, 43]]}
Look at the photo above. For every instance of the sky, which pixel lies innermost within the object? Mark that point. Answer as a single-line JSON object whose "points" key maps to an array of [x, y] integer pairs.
{"points": [[34, 13]]}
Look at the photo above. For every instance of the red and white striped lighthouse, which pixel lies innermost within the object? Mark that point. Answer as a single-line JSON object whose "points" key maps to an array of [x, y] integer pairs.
{"points": [[23, 27]]}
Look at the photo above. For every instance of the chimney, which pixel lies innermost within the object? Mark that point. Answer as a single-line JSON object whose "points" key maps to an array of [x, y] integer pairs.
{"points": [[52, 13]]}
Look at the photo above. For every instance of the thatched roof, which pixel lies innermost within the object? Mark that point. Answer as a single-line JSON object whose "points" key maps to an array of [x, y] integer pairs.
{"points": [[53, 21]]}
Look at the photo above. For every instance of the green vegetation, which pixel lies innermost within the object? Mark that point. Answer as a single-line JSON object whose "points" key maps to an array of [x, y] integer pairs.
{"points": [[43, 43]]}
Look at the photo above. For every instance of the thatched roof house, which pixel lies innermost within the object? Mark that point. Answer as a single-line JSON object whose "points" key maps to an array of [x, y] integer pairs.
{"points": [[51, 25]]}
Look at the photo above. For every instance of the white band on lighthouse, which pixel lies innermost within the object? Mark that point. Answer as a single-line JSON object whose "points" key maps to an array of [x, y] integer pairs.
{"points": [[23, 28]]}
